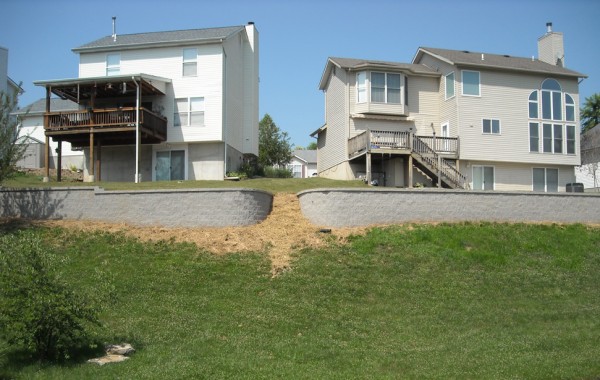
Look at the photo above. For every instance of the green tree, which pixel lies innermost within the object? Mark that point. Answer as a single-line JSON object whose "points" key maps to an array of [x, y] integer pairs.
{"points": [[590, 113], [11, 150], [312, 146], [273, 144]]}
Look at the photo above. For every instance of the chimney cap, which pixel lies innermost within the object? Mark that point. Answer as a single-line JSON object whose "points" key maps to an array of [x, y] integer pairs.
{"points": [[549, 27], [250, 22]]}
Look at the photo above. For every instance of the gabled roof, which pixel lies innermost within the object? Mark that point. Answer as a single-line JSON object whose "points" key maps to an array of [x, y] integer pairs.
{"points": [[169, 38], [39, 107], [465, 58], [354, 64], [308, 156]]}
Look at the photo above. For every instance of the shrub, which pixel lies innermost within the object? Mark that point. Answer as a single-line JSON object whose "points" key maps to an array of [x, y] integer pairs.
{"points": [[271, 172], [38, 310]]}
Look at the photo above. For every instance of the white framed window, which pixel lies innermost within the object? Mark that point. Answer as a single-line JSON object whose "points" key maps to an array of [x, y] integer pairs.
{"points": [[190, 62], [551, 100], [533, 105], [491, 126], [471, 85], [361, 87], [569, 108], [571, 139], [189, 112], [449, 85], [545, 180], [483, 177], [113, 64], [386, 88], [534, 137]]}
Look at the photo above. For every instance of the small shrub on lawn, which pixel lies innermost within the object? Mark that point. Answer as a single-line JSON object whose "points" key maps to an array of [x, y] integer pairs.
{"points": [[271, 172], [38, 310]]}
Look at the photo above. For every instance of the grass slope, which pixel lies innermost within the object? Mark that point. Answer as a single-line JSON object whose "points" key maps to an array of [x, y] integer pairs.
{"points": [[446, 301]]}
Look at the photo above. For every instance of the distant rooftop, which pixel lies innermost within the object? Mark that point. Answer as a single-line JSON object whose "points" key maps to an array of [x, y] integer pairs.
{"points": [[168, 38], [308, 155], [39, 106]]}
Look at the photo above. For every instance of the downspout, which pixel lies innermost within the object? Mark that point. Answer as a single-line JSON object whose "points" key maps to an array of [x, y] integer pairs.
{"points": [[224, 112], [137, 130]]}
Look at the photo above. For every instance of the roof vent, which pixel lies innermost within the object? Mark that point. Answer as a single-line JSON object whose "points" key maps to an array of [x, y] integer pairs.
{"points": [[506, 55], [114, 34], [466, 51], [482, 57]]}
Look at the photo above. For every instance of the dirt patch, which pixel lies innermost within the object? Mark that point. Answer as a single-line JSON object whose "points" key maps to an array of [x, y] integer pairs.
{"points": [[66, 174], [284, 231]]}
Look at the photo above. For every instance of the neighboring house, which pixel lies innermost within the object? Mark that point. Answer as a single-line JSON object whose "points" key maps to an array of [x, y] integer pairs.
{"points": [[176, 105], [7, 85], [31, 119], [589, 172], [455, 119], [304, 163]]}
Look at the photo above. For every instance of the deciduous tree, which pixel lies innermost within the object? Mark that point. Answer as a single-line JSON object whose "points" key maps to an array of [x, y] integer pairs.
{"points": [[11, 150], [273, 144]]}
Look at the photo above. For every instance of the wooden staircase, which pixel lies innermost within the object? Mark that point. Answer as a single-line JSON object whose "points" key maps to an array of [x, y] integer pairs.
{"points": [[436, 167]]}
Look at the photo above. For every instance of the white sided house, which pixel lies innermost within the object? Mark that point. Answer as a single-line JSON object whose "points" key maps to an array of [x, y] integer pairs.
{"points": [[176, 105], [456, 119], [303, 163]]}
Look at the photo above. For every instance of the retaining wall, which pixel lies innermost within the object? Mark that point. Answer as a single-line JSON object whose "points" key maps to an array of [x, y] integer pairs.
{"points": [[353, 207], [168, 208]]}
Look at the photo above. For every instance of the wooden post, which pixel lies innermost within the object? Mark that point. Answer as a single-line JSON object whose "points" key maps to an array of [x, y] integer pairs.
{"points": [[99, 160], [439, 173], [410, 172], [59, 161], [47, 146], [91, 170], [369, 167]]}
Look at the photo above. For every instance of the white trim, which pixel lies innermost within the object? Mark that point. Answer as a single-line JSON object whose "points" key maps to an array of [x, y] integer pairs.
{"points": [[491, 132], [546, 178], [446, 85], [483, 173]]}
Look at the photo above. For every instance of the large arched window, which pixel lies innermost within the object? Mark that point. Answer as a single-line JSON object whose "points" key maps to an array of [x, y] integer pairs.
{"points": [[551, 119]]}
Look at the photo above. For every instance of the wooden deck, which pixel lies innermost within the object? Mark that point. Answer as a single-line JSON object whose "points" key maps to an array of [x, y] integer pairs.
{"points": [[399, 143], [117, 126]]}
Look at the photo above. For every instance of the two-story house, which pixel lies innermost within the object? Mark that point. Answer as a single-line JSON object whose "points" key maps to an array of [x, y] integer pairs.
{"points": [[457, 119], [176, 105]]}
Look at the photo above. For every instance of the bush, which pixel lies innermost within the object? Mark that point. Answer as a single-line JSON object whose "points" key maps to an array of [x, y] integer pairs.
{"points": [[271, 172], [38, 310]]}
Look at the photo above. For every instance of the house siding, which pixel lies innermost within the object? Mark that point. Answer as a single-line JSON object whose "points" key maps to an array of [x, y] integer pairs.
{"points": [[335, 151]]}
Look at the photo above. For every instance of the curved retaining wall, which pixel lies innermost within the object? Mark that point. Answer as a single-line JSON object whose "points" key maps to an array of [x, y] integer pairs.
{"points": [[168, 208], [353, 207]]}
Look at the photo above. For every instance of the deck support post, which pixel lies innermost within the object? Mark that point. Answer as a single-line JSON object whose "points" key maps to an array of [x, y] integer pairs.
{"points": [[410, 171], [369, 171], [439, 173], [91, 170], [99, 160], [59, 161], [47, 145]]}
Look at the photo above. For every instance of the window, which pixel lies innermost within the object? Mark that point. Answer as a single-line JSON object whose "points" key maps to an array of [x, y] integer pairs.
{"points": [[190, 62], [558, 138], [450, 85], [470, 83], [113, 64], [569, 108], [570, 139], [483, 178], [534, 137], [533, 105], [189, 112], [405, 90], [491, 126], [361, 87], [547, 138], [551, 100], [385, 88], [545, 180]]}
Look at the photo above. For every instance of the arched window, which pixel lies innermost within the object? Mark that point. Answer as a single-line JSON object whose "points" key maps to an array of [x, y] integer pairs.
{"points": [[533, 105], [551, 100], [569, 108]]}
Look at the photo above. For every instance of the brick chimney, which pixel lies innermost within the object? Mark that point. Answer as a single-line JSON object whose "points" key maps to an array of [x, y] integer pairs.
{"points": [[551, 47]]}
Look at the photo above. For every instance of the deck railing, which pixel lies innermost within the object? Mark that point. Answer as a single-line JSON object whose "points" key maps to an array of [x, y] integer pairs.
{"points": [[440, 166], [375, 139], [442, 144], [105, 118]]}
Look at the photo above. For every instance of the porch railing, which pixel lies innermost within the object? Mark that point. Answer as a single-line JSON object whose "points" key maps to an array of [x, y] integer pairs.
{"points": [[442, 144], [105, 118], [374, 139], [437, 164]]}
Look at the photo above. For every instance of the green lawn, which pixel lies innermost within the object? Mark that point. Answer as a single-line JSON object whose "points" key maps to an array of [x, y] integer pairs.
{"points": [[465, 301], [287, 185]]}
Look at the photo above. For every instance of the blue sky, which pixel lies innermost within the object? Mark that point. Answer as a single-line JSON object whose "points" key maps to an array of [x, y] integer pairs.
{"points": [[296, 37]]}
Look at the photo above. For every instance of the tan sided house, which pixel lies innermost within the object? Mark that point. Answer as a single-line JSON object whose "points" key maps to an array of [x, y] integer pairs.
{"points": [[173, 105], [456, 119]]}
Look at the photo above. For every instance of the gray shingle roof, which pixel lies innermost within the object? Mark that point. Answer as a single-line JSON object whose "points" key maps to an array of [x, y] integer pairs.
{"points": [[39, 106], [353, 63], [496, 61], [309, 156], [159, 38]]}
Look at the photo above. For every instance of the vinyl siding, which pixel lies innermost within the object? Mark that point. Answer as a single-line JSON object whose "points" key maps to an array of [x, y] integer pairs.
{"points": [[167, 62], [335, 150], [515, 176], [504, 96]]}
